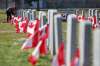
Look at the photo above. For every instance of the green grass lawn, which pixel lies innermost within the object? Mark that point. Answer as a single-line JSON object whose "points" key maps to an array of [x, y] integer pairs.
{"points": [[3, 16], [10, 53]]}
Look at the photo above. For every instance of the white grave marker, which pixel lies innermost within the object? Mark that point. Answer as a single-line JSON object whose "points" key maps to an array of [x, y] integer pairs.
{"points": [[50, 21], [96, 47]]}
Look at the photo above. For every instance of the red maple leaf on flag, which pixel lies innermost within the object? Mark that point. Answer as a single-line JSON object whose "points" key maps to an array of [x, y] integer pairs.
{"points": [[31, 25], [22, 25]]}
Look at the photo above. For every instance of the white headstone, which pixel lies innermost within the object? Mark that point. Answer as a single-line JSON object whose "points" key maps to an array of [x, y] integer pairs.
{"points": [[41, 14], [81, 41], [50, 21], [96, 47], [85, 43], [57, 31], [70, 29]]}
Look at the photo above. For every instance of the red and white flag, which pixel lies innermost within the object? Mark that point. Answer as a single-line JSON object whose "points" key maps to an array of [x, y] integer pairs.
{"points": [[19, 18], [17, 26], [47, 30], [40, 49], [23, 25], [75, 60], [27, 44], [43, 47], [31, 27], [36, 33], [33, 59], [59, 58], [80, 18], [35, 38], [93, 20]]}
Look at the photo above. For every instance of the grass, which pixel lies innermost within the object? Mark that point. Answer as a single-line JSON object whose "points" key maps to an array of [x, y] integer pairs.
{"points": [[3, 16], [6, 27], [10, 53]]}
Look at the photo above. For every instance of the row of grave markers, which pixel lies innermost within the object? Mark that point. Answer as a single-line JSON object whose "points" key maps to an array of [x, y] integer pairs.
{"points": [[78, 35]]}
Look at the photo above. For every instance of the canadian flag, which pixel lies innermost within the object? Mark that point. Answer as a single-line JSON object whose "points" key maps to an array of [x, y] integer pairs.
{"points": [[23, 25], [43, 47], [36, 33], [17, 26], [35, 38], [31, 27], [75, 60], [40, 49], [19, 18], [47, 30], [80, 18], [93, 20], [59, 58], [27, 44], [61, 55], [16, 21], [29, 41], [35, 55]]}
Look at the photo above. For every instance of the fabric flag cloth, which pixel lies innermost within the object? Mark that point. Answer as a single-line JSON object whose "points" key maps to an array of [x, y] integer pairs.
{"points": [[80, 18], [17, 26], [75, 60], [36, 33], [43, 47], [35, 39], [17, 20], [94, 24], [26, 24], [35, 55], [47, 31], [23, 25], [31, 27], [93, 20], [61, 55], [27, 44], [59, 60], [39, 50]]}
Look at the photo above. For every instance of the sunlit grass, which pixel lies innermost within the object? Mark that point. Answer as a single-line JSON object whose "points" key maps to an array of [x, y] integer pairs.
{"points": [[3, 16], [11, 54]]}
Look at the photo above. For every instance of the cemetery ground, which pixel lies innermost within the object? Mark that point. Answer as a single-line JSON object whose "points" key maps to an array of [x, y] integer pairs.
{"points": [[10, 47], [10, 52]]}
